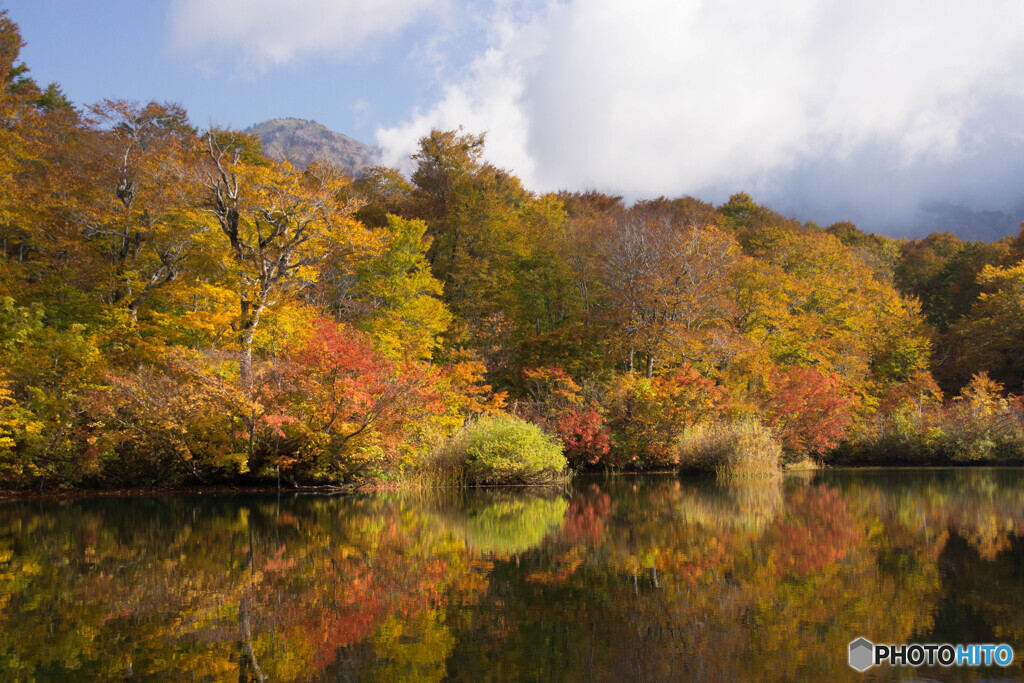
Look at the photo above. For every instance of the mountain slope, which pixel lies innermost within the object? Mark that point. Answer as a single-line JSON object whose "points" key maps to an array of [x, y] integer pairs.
{"points": [[300, 141]]}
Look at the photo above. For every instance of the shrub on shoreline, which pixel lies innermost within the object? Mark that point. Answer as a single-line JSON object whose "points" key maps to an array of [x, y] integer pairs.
{"points": [[498, 449], [735, 449]]}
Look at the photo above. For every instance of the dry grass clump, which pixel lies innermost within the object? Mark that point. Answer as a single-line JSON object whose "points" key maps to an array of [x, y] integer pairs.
{"points": [[735, 449]]}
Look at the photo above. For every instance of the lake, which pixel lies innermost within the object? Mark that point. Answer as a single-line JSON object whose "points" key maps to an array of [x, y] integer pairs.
{"points": [[617, 578]]}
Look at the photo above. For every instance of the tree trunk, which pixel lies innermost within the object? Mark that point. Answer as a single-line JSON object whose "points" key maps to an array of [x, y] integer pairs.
{"points": [[650, 365], [245, 361], [247, 331]]}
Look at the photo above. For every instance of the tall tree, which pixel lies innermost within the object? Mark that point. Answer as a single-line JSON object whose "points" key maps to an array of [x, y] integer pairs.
{"points": [[667, 278], [474, 212], [140, 222], [400, 298], [281, 226]]}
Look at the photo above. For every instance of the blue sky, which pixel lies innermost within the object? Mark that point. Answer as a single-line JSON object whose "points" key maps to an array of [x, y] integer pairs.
{"points": [[874, 111], [128, 49]]}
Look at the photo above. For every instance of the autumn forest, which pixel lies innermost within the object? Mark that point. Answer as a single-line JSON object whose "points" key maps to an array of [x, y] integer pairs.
{"points": [[176, 308]]}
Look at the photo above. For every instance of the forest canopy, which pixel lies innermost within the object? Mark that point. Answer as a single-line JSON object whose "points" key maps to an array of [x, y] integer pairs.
{"points": [[176, 306]]}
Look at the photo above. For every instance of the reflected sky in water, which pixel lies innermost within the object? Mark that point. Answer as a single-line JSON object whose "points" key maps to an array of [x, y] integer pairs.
{"points": [[624, 578]]}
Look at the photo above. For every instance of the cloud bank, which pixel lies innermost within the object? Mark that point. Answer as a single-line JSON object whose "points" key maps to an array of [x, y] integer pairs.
{"points": [[809, 104], [824, 109]]}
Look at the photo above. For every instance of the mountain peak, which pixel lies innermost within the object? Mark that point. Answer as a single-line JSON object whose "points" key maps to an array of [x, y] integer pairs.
{"points": [[299, 141]]}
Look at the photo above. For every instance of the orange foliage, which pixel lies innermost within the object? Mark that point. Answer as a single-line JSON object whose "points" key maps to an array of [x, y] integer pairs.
{"points": [[809, 410]]}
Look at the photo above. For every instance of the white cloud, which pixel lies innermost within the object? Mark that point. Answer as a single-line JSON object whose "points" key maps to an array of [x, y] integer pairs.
{"points": [[673, 96], [261, 33]]}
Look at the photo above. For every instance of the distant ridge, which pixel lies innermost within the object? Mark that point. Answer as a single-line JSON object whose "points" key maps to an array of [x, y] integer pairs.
{"points": [[300, 141]]}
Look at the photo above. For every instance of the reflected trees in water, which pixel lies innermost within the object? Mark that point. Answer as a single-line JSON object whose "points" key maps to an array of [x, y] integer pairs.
{"points": [[627, 577]]}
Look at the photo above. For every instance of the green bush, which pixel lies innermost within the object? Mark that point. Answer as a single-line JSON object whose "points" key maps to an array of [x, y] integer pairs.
{"points": [[739, 449], [502, 449]]}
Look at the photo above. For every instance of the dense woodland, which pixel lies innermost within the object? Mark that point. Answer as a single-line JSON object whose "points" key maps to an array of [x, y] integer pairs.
{"points": [[177, 307]]}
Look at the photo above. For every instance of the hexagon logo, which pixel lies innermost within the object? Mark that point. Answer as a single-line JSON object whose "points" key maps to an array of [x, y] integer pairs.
{"points": [[862, 654]]}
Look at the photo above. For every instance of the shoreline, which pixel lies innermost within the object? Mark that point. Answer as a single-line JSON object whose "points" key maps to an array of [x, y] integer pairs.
{"points": [[68, 493]]}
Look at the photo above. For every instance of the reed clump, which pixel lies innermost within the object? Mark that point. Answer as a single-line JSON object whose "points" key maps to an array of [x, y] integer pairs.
{"points": [[736, 449]]}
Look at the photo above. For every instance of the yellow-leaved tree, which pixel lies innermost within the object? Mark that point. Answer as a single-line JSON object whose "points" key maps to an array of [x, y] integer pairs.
{"points": [[991, 336], [280, 226]]}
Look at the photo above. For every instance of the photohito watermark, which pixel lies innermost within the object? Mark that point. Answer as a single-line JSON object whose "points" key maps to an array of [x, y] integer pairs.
{"points": [[864, 654]]}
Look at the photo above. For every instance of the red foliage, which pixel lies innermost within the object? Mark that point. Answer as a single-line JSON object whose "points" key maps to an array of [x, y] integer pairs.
{"points": [[344, 365], [351, 391], [810, 411], [584, 435], [367, 599], [687, 396], [336, 598], [278, 562], [559, 407], [691, 569]]}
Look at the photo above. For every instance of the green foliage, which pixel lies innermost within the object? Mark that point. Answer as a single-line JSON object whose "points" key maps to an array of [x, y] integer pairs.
{"points": [[740, 208], [942, 271], [49, 375], [979, 426], [385, 192], [502, 449], [991, 336], [878, 252], [404, 312], [982, 425]]}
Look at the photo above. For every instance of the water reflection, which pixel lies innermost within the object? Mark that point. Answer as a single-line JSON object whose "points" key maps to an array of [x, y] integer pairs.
{"points": [[623, 578]]}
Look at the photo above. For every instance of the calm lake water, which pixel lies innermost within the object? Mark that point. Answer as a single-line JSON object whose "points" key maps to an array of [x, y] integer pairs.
{"points": [[624, 578]]}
